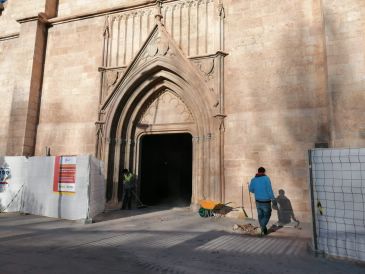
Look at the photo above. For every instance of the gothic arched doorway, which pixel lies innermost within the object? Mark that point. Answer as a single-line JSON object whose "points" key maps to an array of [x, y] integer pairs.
{"points": [[162, 92]]}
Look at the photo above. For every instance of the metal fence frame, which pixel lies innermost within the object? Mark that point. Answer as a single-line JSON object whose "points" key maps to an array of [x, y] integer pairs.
{"points": [[337, 195]]}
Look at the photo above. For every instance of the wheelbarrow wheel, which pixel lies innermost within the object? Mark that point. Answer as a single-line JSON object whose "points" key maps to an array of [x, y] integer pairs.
{"points": [[203, 212]]}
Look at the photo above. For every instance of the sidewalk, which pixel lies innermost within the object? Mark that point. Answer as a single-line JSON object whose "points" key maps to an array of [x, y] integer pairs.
{"points": [[147, 241]]}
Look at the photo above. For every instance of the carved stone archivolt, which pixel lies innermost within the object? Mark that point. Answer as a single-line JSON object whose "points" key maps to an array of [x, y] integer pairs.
{"points": [[167, 108]]}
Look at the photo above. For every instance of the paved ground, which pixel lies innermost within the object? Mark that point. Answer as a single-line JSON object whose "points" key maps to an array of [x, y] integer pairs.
{"points": [[165, 241]]}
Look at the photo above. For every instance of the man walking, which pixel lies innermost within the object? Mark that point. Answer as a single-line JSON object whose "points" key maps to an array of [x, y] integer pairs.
{"points": [[128, 187], [261, 186]]}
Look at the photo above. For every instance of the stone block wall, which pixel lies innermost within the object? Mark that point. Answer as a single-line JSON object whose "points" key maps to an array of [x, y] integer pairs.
{"points": [[16, 57], [18, 9], [275, 100], [345, 39], [70, 96], [20, 142], [8, 52]]}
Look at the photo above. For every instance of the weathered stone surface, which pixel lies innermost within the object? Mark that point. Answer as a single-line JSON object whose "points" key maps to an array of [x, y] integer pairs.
{"points": [[293, 78], [8, 52], [71, 88], [344, 24], [18, 9]]}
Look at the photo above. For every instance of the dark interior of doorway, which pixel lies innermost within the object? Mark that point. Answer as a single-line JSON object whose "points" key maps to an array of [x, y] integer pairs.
{"points": [[166, 169]]}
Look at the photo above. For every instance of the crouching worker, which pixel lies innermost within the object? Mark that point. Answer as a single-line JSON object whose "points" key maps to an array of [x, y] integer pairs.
{"points": [[261, 186], [128, 180]]}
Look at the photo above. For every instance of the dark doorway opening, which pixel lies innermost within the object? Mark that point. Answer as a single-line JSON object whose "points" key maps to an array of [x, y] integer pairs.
{"points": [[166, 169]]}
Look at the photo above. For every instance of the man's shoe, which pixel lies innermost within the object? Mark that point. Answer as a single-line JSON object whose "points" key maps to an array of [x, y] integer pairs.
{"points": [[261, 233]]}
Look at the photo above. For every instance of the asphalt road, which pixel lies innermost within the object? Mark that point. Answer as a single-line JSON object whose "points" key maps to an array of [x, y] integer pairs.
{"points": [[154, 241]]}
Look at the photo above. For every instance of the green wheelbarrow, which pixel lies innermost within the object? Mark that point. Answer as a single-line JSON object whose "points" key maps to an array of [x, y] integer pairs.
{"points": [[209, 207]]}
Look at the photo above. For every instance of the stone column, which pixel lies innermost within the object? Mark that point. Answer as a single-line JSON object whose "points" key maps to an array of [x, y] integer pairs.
{"points": [[24, 109], [28, 81]]}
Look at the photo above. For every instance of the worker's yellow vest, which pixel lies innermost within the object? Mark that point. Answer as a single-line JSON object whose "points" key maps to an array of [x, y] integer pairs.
{"points": [[128, 178]]}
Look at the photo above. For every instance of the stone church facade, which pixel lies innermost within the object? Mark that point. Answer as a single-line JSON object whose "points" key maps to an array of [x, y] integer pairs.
{"points": [[254, 82]]}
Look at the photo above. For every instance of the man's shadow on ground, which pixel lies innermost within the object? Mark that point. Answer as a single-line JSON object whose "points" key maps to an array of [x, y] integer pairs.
{"points": [[286, 217]]}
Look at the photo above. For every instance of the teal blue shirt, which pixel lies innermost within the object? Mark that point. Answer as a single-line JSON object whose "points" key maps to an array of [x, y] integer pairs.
{"points": [[261, 187]]}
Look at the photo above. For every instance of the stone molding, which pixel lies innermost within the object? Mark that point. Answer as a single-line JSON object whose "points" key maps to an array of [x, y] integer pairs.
{"points": [[9, 36], [27, 19]]}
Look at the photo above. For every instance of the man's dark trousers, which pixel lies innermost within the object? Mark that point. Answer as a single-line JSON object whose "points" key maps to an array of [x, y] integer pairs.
{"points": [[263, 214], [127, 198]]}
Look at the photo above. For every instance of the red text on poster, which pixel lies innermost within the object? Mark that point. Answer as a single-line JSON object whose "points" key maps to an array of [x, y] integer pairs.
{"points": [[64, 174]]}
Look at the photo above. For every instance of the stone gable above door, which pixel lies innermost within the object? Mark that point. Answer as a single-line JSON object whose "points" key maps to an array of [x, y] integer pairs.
{"points": [[193, 24]]}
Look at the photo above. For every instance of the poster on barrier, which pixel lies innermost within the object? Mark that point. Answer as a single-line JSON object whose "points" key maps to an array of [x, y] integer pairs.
{"points": [[64, 179], [5, 174]]}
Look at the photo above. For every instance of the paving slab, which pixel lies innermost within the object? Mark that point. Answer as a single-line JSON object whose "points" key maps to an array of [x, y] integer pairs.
{"points": [[154, 240]]}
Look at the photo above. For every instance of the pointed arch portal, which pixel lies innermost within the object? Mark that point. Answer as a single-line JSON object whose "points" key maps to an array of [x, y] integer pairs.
{"points": [[162, 92]]}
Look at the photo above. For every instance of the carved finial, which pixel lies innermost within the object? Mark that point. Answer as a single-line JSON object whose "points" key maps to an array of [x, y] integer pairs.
{"points": [[158, 15], [106, 27], [159, 3]]}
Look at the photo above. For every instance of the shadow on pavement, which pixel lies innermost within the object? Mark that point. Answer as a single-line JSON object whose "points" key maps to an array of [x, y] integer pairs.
{"points": [[125, 213]]}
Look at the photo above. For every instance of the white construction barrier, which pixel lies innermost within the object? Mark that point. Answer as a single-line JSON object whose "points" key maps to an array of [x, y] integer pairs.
{"points": [[67, 187], [12, 184], [338, 201]]}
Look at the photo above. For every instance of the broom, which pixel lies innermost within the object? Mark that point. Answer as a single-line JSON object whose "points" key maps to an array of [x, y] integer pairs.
{"points": [[243, 209], [248, 184], [139, 202]]}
